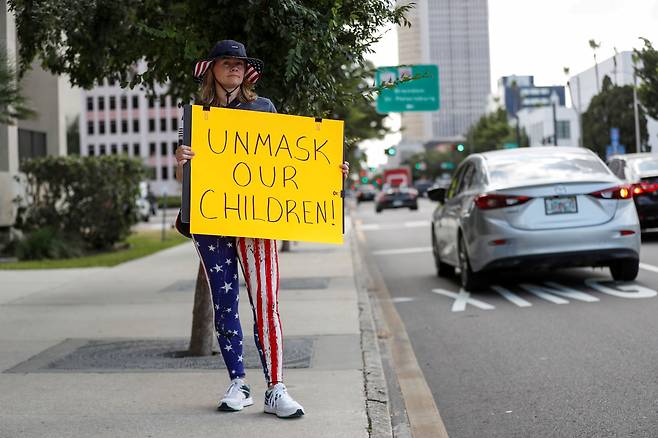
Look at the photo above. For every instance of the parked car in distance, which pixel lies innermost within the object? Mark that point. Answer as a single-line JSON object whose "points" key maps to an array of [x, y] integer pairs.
{"points": [[396, 197], [640, 171], [539, 207], [365, 192]]}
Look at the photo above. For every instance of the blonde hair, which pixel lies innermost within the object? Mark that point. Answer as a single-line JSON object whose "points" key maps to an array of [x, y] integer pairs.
{"points": [[208, 93]]}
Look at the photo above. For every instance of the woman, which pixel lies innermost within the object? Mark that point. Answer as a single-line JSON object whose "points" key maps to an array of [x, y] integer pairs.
{"points": [[228, 76]]}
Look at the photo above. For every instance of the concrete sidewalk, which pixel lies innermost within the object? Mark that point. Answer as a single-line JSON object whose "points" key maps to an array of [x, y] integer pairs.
{"points": [[50, 319]]}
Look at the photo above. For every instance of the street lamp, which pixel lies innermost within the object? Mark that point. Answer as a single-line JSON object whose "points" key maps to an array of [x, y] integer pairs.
{"points": [[554, 101]]}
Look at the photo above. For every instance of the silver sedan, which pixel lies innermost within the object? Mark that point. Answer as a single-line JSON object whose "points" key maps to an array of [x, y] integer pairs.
{"points": [[544, 207]]}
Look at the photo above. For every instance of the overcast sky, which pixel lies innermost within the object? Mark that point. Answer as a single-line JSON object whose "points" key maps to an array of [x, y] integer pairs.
{"points": [[540, 37]]}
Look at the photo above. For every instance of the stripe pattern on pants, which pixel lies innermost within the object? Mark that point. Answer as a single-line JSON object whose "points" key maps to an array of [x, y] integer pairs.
{"points": [[260, 267]]}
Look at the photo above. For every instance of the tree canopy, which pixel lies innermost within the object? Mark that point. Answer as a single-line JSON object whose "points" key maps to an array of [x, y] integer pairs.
{"points": [[612, 108], [13, 105], [308, 46], [492, 131], [647, 72]]}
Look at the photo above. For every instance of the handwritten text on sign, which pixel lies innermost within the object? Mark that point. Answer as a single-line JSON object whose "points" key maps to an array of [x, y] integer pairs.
{"points": [[266, 175]]}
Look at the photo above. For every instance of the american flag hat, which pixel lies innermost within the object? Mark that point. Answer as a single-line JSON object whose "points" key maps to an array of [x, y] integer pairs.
{"points": [[231, 49]]}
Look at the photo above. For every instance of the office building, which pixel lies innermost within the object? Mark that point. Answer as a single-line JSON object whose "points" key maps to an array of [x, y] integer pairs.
{"points": [[454, 35]]}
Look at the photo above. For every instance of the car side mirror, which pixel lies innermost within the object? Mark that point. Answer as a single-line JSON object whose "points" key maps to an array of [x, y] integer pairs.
{"points": [[437, 194]]}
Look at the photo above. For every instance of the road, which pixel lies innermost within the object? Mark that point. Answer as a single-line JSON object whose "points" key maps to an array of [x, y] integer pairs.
{"points": [[567, 353]]}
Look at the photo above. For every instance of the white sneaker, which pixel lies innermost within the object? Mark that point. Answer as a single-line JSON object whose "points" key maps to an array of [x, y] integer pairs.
{"points": [[277, 401], [238, 396]]}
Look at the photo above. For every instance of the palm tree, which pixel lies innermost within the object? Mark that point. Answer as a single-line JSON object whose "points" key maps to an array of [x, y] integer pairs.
{"points": [[13, 106], [594, 46]]}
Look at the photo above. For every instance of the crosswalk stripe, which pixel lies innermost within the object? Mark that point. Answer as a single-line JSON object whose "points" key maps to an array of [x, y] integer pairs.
{"points": [[403, 251], [648, 267]]}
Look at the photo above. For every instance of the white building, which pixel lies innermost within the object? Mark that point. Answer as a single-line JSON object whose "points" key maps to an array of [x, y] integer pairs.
{"points": [[538, 124], [620, 70], [123, 121], [56, 104], [454, 35]]}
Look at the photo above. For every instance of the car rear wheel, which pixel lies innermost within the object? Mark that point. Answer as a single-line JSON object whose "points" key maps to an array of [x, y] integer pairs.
{"points": [[469, 279], [378, 209], [625, 270], [414, 207], [442, 269]]}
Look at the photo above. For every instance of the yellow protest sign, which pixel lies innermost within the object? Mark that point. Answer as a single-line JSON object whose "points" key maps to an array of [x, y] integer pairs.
{"points": [[258, 174]]}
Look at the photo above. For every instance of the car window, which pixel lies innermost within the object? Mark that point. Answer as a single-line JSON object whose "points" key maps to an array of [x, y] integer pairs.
{"points": [[466, 179], [511, 169], [646, 165], [452, 190]]}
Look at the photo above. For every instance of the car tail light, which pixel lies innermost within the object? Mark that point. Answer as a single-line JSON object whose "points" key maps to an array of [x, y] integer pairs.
{"points": [[621, 192], [489, 202], [626, 232], [643, 188]]}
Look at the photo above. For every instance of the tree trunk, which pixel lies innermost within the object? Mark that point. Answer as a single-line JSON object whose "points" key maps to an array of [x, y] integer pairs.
{"points": [[203, 332], [285, 246]]}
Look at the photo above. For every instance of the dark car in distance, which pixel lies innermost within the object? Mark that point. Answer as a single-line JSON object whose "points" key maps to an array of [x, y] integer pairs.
{"points": [[640, 171], [365, 192], [396, 197]]}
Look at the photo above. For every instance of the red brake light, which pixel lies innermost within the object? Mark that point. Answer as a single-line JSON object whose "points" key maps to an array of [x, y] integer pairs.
{"points": [[488, 202], [621, 192], [644, 188]]}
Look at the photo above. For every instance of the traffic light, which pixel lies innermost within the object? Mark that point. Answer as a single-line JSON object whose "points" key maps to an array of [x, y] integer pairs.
{"points": [[460, 147], [364, 179], [417, 166], [391, 151]]}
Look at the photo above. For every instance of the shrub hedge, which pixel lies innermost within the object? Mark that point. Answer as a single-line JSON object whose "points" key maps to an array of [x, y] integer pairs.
{"points": [[88, 200]]}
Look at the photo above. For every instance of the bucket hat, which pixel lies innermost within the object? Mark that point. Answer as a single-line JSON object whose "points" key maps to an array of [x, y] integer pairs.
{"points": [[231, 49]]}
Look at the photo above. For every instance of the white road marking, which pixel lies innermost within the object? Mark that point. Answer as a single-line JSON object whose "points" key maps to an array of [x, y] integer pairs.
{"points": [[402, 299], [370, 227], [416, 224], [394, 226], [402, 251], [648, 267], [548, 293], [622, 290], [463, 298], [511, 296]]}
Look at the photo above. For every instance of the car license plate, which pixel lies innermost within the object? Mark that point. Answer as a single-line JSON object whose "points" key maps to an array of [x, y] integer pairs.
{"points": [[561, 205], [397, 203]]}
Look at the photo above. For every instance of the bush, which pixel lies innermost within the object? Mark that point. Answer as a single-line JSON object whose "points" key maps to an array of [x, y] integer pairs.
{"points": [[85, 199], [48, 243], [172, 201]]}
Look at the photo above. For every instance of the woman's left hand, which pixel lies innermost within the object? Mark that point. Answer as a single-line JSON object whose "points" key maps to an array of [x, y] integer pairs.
{"points": [[345, 168]]}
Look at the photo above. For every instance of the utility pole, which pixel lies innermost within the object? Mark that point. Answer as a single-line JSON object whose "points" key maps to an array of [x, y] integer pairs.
{"points": [[554, 99], [638, 146]]}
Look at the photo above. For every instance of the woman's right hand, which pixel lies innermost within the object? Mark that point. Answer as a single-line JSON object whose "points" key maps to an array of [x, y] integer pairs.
{"points": [[184, 154]]}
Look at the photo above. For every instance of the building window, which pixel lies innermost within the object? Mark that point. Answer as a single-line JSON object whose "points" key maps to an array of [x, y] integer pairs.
{"points": [[90, 127], [151, 125], [101, 149], [174, 145], [90, 104], [135, 126], [163, 148], [165, 172], [563, 129], [90, 150], [111, 82], [151, 102], [124, 148], [152, 149], [163, 101], [113, 126], [101, 126], [163, 125], [113, 102], [136, 150], [101, 103], [113, 149], [135, 102], [31, 144], [124, 102], [174, 123], [124, 126]]}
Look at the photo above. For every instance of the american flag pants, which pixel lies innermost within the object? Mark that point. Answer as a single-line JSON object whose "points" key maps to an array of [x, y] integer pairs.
{"points": [[260, 267]]}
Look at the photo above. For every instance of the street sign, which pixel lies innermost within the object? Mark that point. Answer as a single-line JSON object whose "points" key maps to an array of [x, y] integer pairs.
{"points": [[447, 165], [614, 136], [510, 146], [611, 150], [420, 94]]}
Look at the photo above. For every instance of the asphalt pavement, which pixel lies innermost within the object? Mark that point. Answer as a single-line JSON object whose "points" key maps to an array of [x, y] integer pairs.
{"points": [[564, 353]]}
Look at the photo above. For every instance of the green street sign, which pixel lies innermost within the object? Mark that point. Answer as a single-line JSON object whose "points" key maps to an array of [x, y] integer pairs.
{"points": [[420, 93], [510, 146], [447, 165]]}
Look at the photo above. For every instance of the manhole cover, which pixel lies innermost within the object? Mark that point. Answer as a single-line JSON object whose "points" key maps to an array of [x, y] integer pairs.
{"points": [[93, 355]]}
